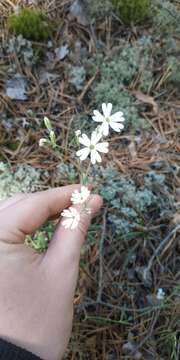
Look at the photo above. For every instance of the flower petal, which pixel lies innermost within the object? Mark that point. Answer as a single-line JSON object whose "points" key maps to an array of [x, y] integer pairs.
{"points": [[118, 116], [84, 193], [103, 147], [78, 133], [72, 218], [116, 126], [74, 212], [74, 224], [98, 117], [106, 108], [75, 200], [83, 153], [67, 223], [79, 197], [105, 129], [95, 137], [66, 213], [43, 142], [84, 140], [95, 157]]}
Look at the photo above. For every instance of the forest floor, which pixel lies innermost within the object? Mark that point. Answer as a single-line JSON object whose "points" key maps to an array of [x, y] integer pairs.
{"points": [[133, 246]]}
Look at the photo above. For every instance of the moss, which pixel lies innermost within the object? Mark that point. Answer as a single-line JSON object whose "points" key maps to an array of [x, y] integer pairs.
{"points": [[132, 11], [32, 24]]}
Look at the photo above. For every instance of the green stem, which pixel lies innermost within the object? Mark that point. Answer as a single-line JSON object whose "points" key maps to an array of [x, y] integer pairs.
{"points": [[84, 176]]}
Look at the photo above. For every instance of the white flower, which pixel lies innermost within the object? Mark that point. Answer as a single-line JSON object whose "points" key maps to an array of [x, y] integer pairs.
{"points": [[78, 133], [160, 294], [92, 147], [79, 197], [43, 142], [72, 218], [113, 121]]}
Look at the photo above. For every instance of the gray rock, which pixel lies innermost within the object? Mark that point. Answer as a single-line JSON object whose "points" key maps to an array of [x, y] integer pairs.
{"points": [[16, 88]]}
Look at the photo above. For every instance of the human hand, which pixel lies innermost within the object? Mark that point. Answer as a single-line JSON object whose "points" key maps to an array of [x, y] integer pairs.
{"points": [[37, 290]]}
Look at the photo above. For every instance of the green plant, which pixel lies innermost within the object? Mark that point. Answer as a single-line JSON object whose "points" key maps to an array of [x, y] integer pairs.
{"points": [[40, 240], [132, 11], [32, 24]]}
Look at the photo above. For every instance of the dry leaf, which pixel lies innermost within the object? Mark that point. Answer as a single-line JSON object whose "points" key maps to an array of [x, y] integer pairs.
{"points": [[146, 99]]}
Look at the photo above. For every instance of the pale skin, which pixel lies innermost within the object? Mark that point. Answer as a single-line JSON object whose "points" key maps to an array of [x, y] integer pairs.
{"points": [[37, 290]]}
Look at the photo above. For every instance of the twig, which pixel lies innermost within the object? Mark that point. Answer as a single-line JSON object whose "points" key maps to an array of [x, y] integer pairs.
{"points": [[140, 312], [161, 246], [149, 334], [11, 4], [101, 245], [87, 86]]}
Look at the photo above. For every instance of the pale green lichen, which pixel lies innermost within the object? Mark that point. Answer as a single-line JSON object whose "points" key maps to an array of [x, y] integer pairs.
{"points": [[98, 9], [132, 205], [66, 172], [24, 178], [115, 75], [166, 17], [77, 76], [173, 66], [22, 48]]}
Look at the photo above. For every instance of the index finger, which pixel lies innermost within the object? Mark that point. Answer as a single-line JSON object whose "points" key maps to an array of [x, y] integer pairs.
{"points": [[28, 215]]}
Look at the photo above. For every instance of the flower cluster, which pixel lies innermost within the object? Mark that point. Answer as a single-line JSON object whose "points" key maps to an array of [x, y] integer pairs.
{"points": [[72, 216], [93, 146]]}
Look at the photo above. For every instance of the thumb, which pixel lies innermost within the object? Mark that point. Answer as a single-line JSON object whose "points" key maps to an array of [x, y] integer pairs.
{"points": [[66, 243]]}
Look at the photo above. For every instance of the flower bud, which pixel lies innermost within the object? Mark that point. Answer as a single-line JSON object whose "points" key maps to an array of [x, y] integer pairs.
{"points": [[43, 142], [52, 137], [47, 123], [78, 133]]}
